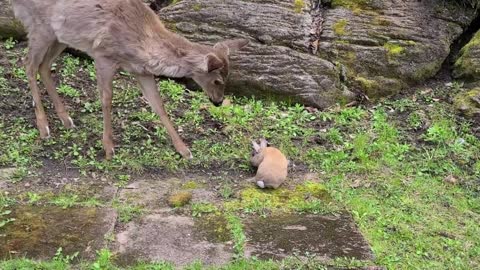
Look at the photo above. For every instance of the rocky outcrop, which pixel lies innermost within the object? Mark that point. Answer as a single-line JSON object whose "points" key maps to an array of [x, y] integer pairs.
{"points": [[321, 54], [467, 65], [9, 27], [277, 63]]}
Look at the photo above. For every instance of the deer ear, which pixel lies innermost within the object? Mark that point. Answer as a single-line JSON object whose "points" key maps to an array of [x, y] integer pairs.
{"points": [[231, 45], [212, 62]]}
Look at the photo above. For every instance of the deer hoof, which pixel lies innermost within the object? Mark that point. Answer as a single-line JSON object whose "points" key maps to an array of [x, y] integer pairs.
{"points": [[69, 123], [187, 154], [45, 132]]}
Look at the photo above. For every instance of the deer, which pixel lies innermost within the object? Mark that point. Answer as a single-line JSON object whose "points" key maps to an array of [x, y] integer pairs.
{"points": [[118, 35]]}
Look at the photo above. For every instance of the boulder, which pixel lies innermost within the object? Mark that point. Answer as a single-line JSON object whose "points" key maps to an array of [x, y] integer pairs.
{"points": [[468, 104], [467, 65], [277, 63], [320, 54], [9, 27]]}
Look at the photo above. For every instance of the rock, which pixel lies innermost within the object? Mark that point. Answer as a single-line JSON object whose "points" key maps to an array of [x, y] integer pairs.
{"points": [[277, 63], [170, 238], [281, 236], [467, 65], [386, 45], [37, 232], [320, 56], [468, 103], [9, 26], [7, 173]]}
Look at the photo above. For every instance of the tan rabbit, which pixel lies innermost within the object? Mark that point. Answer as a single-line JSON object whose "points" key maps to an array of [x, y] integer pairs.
{"points": [[272, 165]]}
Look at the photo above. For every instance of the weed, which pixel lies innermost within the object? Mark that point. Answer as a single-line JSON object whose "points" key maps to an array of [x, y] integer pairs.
{"points": [[65, 200], [198, 209], [9, 43]]}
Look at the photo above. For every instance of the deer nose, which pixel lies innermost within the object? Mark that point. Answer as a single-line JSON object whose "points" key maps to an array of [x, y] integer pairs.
{"points": [[217, 103]]}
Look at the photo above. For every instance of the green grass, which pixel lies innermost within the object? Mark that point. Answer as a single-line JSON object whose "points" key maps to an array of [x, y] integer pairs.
{"points": [[386, 164]]}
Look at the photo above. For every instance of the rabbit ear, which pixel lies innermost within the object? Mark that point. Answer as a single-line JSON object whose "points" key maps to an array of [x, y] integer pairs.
{"points": [[263, 143], [255, 145]]}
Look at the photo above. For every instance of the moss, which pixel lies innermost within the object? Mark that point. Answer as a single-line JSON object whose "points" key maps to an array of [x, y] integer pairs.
{"points": [[393, 49], [339, 27], [179, 199], [298, 5], [426, 71], [366, 84], [214, 226], [190, 185], [197, 7], [307, 197], [379, 20], [468, 64], [465, 102], [355, 5]]}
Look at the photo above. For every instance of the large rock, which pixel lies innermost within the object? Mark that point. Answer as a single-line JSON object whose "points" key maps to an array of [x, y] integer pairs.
{"points": [[277, 63], [468, 104], [311, 53], [467, 65], [9, 27]]}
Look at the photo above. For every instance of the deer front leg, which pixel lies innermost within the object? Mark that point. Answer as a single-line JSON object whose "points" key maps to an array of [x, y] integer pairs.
{"points": [[149, 89], [105, 72]]}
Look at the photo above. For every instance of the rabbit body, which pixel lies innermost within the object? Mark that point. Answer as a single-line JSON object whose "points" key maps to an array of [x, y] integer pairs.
{"points": [[272, 166]]}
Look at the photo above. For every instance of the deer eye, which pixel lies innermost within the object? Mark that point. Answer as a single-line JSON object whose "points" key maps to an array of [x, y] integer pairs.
{"points": [[218, 82]]}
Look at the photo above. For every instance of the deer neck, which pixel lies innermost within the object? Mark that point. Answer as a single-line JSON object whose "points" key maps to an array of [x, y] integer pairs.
{"points": [[173, 56]]}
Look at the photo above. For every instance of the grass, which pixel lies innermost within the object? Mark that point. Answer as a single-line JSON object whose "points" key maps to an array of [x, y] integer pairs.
{"points": [[386, 164]]}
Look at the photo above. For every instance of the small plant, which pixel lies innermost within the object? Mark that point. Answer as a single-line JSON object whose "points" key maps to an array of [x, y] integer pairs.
{"points": [[65, 200], [68, 91], [103, 261], [5, 221], [202, 208], [9, 43], [65, 259], [33, 197], [127, 211]]}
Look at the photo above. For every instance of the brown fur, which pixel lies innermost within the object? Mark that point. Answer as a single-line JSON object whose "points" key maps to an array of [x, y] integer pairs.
{"points": [[117, 34], [272, 165]]}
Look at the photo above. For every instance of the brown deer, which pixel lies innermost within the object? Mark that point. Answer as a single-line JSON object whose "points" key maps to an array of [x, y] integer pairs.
{"points": [[117, 34]]}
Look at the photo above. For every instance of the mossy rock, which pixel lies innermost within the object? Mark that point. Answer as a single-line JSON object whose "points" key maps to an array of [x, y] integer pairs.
{"points": [[180, 198], [467, 66], [468, 103]]}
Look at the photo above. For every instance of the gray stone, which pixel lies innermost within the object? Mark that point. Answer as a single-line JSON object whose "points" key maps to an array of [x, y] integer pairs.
{"points": [[170, 238], [7, 173], [297, 54], [325, 237], [37, 232], [9, 27]]}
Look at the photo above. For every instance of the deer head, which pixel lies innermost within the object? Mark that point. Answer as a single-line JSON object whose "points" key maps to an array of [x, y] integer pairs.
{"points": [[212, 69]]}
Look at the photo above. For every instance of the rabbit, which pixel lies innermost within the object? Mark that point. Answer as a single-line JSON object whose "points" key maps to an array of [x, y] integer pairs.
{"points": [[272, 165]]}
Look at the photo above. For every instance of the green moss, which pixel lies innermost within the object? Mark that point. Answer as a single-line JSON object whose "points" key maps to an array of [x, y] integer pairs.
{"points": [[468, 64], [426, 71], [355, 5], [179, 199], [190, 185], [298, 5], [379, 20], [339, 27], [197, 7], [366, 84], [393, 49], [465, 103], [309, 197]]}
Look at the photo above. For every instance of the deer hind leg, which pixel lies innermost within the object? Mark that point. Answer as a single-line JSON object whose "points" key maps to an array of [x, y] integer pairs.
{"points": [[37, 48], [149, 89], [105, 73], [53, 52]]}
